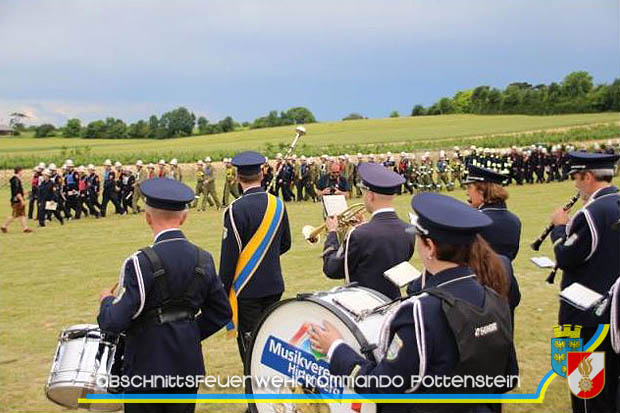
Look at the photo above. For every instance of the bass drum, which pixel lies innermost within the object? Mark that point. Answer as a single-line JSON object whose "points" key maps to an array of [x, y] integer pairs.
{"points": [[281, 347]]}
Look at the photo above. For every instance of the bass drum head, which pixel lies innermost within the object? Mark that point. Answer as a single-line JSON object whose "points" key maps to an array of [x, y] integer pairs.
{"points": [[281, 348]]}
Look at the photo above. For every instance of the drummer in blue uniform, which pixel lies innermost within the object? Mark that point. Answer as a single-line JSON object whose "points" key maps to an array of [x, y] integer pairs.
{"points": [[161, 291], [428, 334], [256, 232], [373, 247], [586, 248], [486, 192]]}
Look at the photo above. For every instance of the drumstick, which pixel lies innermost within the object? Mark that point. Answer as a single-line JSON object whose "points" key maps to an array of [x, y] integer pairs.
{"points": [[113, 289]]}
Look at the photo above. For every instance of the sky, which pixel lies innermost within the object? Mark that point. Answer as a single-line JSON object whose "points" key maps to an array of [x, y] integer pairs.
{"points": [[129, 59]]}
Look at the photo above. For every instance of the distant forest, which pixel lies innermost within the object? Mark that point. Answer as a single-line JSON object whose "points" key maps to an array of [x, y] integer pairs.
{"points": [[576, 93]]}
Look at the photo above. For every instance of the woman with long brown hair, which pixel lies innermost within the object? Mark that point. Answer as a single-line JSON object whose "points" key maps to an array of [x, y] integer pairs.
{"points": [[485, 191], [458, 326]]}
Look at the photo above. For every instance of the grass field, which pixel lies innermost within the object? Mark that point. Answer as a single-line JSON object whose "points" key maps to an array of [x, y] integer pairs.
{"points": [[420, 132], [51, 279]]}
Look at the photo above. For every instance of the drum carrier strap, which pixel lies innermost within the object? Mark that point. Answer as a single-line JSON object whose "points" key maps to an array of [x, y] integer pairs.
{"points": [[170, 308]]}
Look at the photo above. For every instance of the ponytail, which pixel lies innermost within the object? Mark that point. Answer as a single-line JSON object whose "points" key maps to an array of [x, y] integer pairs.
{"points": [[489, 268], [486, 264]]}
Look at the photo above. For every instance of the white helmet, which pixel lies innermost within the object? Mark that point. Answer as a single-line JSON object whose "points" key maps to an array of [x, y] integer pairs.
{"points": [[47, 172], [208, 159], [69, 162], [161, 162], [91, 167], [139, 163], [151, 165], [107, 162], [173, 161], [117, 164], [52, 167]]}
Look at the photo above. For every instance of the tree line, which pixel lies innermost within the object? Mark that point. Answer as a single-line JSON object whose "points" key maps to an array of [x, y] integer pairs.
{"points": [[174, 124], [577, 93]]}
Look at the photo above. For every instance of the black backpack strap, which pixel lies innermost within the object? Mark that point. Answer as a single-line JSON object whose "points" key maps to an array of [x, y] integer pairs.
{"points": [[199, 273], [159, 274], [445, 296]]}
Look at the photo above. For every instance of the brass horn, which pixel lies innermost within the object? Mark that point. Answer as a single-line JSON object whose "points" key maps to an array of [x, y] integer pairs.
{"points": [[346, 219]]}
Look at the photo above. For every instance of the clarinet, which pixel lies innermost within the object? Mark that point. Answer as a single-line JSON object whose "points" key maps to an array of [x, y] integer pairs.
{"points": [[551, 277], [536, 244]]}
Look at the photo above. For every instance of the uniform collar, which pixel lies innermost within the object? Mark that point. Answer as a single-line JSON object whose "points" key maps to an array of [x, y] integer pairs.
{"points": [[604, 191], [451, 274], [253, 189], [496, 205], [382, 210], [168, 234]]}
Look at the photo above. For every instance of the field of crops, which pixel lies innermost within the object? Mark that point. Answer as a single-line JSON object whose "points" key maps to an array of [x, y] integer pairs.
{"points": [[51, 279], [367, 136]]}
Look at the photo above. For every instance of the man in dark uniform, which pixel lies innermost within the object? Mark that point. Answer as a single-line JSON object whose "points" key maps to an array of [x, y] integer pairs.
{"points": [[373, 247], [71, 181], [421, 338], [485, 192], [256, 232], [586, 249], [161, 290], [333, 183], [109, 189], [48, 193]]}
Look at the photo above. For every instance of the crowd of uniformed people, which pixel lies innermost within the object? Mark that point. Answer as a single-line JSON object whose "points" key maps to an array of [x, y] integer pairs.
{"points": [[71, 192], [170, 296]]}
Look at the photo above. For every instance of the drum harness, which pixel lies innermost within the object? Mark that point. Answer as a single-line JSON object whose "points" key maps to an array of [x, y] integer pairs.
{"points": [[169, 309], [474, 329]]}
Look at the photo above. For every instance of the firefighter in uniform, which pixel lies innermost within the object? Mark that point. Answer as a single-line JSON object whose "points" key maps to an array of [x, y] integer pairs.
{"points": [[485, 192], [256, 232], [586, 249], [370, 248], [209, 184], [141, 176], [169, 298], [200, 178], [423, 336], [230, 184]]}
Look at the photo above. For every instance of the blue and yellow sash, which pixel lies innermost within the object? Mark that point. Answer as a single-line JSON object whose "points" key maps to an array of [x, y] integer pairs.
{"points": [[253, 253]]}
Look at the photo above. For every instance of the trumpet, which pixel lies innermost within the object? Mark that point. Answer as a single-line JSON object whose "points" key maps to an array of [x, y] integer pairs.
{"points": [[346, 219], [536, 244]]}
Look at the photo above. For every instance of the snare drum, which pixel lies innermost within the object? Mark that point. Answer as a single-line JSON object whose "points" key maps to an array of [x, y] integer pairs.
{"points": [[85, 357], [281, 344]]}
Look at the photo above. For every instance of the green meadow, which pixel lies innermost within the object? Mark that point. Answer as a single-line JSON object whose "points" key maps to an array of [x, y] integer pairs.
{"points": [[368, 136]]}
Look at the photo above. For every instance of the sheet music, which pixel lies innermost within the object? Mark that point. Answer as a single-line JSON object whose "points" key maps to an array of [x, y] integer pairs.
{"points": [[357, 303], [580, 296], [543, 262], [402, 274], [334, 204]]}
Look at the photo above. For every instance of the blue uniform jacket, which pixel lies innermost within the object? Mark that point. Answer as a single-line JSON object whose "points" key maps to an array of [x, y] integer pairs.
{"points": [[402, 357], [171, 348], [514, 292], [505, 232], [588, 251], [248, 212], [373, 248]]}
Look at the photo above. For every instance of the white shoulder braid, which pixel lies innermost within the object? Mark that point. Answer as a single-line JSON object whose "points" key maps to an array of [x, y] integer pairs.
{"points": [[418, 323], [233, 226]]}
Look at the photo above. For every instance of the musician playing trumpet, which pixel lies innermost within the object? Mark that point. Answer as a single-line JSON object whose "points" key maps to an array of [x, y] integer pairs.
{"points": [[587, 249], [370, 248]]}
